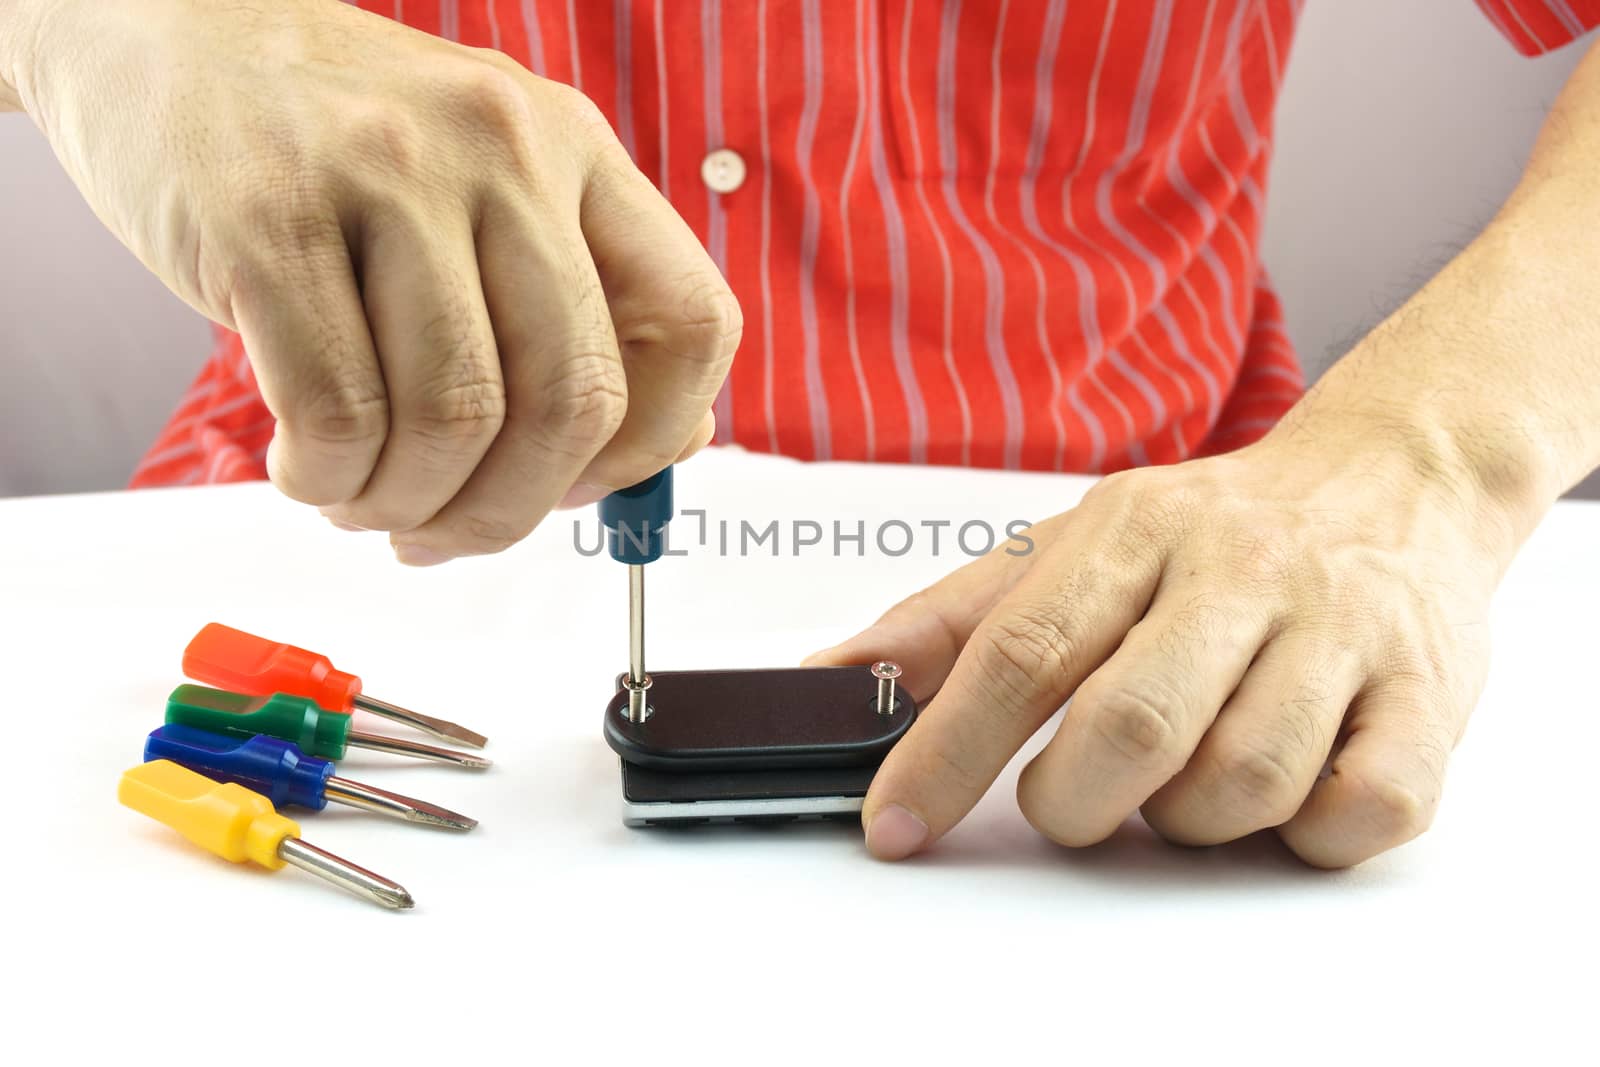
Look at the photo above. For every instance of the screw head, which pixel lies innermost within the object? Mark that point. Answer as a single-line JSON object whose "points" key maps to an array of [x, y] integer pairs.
{"points": [[885, 669]]}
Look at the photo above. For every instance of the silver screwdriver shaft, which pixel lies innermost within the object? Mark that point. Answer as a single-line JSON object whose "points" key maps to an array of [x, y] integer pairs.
{"points": [[395, 746], [344, 874], [636, 624], [370, 798], [440, 728], [638, 681]]}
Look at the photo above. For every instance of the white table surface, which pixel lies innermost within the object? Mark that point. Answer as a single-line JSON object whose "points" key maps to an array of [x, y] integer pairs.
{"points": [[554, 934]]}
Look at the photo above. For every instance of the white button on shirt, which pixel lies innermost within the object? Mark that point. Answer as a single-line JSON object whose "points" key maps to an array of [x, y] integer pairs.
{"points": [[723, 170]]}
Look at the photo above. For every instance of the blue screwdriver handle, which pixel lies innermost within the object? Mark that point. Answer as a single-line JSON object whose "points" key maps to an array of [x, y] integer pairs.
{"points": [[636, 519], [276, 769]]}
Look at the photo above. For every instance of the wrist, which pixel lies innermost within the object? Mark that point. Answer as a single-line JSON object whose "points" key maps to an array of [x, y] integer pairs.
{"points": [[1486, 465]]}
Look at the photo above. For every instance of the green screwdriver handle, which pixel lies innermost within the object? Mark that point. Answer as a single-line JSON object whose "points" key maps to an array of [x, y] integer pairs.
{"points": [[288, 718]]}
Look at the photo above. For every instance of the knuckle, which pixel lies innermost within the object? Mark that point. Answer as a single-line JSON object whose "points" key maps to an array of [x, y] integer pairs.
{"points": [[583, 404], [1263, 781], [351, 409], [1137, 719], [287, 222], [462, 400], [1119, 486], [461, 413], [1024, 654], [1120, 495], [580, 112], [1416, 670], [495, 98], [707, 326], [1202, 626]]}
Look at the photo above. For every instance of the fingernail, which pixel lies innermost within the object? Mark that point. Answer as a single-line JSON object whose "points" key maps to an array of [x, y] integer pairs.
{"points": [[581, 494], [419, 555], [895, 833]]}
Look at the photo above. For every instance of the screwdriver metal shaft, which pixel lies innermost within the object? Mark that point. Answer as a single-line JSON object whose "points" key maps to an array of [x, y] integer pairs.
{"points": [[344, 874], [638, 681], [441, 728], [281, 772], [417, 750], [240, 825], [244, 663], [370, 798]]}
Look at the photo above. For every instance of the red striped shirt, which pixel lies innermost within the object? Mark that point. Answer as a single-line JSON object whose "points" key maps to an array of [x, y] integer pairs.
{"points": [[990, 232]]}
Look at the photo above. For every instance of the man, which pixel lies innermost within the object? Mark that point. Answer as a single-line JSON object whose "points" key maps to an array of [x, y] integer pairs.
{"points": [[991, 232]]}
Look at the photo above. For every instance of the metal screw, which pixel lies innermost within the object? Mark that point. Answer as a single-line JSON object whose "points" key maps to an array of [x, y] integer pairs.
{"points": [[638, 710], [885, 672]]}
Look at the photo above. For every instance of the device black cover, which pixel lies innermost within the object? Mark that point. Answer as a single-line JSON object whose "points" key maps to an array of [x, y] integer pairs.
{"points": [[759, 719]]}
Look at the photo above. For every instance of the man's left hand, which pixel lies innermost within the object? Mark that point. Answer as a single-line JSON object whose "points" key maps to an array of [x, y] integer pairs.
{"points": [[1289, 636]]}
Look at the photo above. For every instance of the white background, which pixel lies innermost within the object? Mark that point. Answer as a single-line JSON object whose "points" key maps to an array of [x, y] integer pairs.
{"points": [[1401, 128], [553, 935]]}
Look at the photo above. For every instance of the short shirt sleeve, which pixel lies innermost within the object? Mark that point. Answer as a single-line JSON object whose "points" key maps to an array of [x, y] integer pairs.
{"points": [[1535, 27]]}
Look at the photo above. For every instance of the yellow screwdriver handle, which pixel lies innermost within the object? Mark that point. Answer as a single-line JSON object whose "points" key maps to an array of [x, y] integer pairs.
{"points": [[226, 819]]}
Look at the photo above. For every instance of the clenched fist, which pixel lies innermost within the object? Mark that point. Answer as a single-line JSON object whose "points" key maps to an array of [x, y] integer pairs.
{"points": [[461, 300]]}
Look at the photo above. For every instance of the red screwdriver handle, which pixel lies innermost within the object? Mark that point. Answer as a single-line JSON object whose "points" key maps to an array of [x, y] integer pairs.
{"points": [[244, 663]]}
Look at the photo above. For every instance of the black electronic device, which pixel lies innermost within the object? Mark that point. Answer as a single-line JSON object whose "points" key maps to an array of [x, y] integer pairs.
{"points": [[755, 745]]}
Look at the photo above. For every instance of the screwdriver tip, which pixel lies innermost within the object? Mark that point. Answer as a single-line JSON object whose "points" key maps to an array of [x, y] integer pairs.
{"points": [[441, 728], [470, 760], [398, 898], [440, 818], [462, 735], [399, 747]]}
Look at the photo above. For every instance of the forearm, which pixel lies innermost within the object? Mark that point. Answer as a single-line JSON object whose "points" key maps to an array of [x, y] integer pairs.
{"points": [[1491, 373]]}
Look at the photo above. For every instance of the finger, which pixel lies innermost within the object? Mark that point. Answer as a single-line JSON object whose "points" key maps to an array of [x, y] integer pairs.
{"points": [[1385, 782], [677, 322], [306, 334], [701, 438], [565, 388], [583, 493], [446, 395], [1135, 721], [925, 632], [1260, 759], [1020, 664]]}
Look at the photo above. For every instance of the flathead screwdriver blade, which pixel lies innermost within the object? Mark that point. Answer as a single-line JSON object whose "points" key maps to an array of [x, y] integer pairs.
{"points": [[440, 728], [239, 662], [384, 802], [397, 747], [344, 874]]}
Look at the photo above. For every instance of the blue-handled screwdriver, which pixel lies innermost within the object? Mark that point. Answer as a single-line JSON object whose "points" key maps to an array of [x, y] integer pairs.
{"points": [[279, 771], [636, 520]]}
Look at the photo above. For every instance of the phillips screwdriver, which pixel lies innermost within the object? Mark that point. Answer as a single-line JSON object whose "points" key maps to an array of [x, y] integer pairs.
{"points": [[291, 718], [244, 663], [286, 776], [636, 520], [238, 825]]}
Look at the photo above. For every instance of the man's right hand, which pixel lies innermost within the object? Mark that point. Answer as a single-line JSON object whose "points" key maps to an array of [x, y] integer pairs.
{"points": [[462, 301]]}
